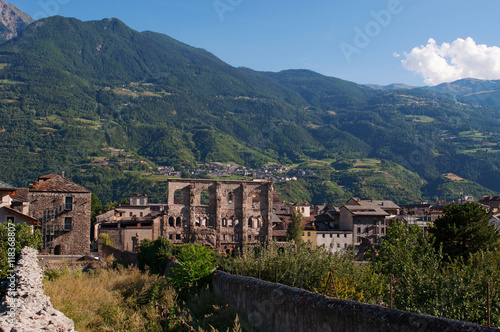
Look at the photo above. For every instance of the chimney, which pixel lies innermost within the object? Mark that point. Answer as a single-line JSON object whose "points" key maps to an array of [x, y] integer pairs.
{"points": [[62, 174]]}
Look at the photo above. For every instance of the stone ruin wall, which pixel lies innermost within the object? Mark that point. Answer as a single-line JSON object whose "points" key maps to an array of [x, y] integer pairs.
{"points": [[26, 308], [238, 213]]}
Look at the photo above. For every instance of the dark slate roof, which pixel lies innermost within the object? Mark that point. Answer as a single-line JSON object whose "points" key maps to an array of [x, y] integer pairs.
{"points": [[4, 185], [487, 199], [56, 183]]}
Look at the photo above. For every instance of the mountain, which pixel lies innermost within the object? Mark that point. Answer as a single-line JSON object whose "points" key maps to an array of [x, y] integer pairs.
{"points": [[393, 86], [483, 92], [107, 105], [12, 21]]}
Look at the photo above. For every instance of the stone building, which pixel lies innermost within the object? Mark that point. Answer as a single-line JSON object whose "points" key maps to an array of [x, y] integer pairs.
{"points": [[63, 210], [223, 214]]}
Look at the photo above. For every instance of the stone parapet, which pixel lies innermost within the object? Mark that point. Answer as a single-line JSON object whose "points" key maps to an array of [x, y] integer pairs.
{"points": [[25, 307]]}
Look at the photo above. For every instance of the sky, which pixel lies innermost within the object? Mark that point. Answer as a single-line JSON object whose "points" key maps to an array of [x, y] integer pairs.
{"points": [[414, 42]]}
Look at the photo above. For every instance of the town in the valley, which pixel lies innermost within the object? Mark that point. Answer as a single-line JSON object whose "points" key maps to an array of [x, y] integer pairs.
{"points": [[226, 215]]}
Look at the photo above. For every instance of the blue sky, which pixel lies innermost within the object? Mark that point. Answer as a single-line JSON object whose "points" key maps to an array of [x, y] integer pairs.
{"points": [[363, 41]]}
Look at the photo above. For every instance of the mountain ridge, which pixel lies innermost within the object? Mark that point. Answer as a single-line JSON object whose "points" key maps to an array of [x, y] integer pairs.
{"points": [[72, 90]]}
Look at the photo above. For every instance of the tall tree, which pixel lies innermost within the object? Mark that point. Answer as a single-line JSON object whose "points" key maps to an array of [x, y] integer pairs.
{"points": [[464, 230], [295, 228]]}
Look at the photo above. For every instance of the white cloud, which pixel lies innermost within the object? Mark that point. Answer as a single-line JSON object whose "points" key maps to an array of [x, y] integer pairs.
{"points": [[450, 62]]}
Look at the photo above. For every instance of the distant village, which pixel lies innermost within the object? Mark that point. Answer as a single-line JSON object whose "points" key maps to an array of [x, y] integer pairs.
{"points": [[225, 214], [274, 173]]}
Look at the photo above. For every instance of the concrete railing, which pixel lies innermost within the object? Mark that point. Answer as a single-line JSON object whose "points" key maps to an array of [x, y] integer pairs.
{"points": [[275, 307], [25, 307]]}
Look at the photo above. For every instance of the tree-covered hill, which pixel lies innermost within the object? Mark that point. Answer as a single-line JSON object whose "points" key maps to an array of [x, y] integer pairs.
{"points": [[73, 93]]}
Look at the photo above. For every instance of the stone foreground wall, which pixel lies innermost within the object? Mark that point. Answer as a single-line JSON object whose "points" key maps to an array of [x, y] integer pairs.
{"points": [[26, 308], [275, 307]]}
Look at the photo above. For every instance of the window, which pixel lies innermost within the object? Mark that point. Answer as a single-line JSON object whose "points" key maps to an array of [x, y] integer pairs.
{"points": [[308, 233], [338, 245], [171, 222], [230, 198], [345, 235], [140, 214], [250, 223], [331, 235], [359, 230], [68, 222], [382, 230], [130, 214], [10, 220], [170, 236], [68, 206], [224, 222], [177, 236], [204, 197], [338, 235], [359, 239]]}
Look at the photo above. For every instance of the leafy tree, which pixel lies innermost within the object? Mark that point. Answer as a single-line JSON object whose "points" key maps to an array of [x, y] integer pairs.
{"points": [[295, 228], [196, 263], [96, 206], [23, 237], [465, 229], [154, 254]]}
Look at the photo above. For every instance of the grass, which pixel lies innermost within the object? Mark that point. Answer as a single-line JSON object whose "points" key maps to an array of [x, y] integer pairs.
{"points": [[421, 118], [124, 299]]}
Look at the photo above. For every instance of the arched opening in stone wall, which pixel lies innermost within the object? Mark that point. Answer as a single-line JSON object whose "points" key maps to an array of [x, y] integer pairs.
{"points": [[184, 222], [230, 198], [197, 221], [57, 250], [171, 221], [203, 222], [178, 222], [256, 201], [178, 197], [224, 222], [250, 223], [204, 197], [230, 222]]}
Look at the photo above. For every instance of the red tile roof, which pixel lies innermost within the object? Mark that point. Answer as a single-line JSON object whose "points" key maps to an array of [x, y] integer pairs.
{"points": [[56, 183]]}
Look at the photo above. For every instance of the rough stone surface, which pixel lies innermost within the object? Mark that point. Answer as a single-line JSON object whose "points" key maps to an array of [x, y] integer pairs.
{"points": [[275, 307], [26, 307], [237, 213]]}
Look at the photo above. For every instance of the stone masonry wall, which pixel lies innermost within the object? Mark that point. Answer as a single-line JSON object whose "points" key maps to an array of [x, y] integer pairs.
{"points": [[275, 307], [26, 308]]}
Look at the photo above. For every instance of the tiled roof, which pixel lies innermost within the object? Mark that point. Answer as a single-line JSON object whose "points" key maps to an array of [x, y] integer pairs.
{"points": [[367, 210], [21, 195], [382, 204], [487, 199], [56, 183]]}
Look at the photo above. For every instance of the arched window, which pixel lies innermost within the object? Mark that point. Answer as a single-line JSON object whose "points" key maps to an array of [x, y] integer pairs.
{"points": [[204, 197], [178, 222], [230, 198], [197, 221], [204, 222], [184, 222], [250, 222], [230, 222], [171, 221], [236, 222], [178, 197], [256, 201], [224, 222]]}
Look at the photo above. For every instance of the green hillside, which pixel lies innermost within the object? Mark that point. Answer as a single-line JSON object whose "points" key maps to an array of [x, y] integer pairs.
{"points": [[74, 93]]}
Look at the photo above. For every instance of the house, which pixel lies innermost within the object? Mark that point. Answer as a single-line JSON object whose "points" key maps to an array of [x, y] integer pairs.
{"points": [[128, 224], [62, 209], [8, 212], [335, 240], [303, 208], [365, 221], [388, 206], [492, 201]]}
